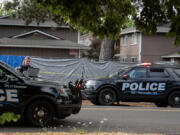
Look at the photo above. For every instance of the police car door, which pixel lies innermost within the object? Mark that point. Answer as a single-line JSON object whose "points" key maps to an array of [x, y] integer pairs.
{"points": [[8, 94], [157, 82], [131, 87]]}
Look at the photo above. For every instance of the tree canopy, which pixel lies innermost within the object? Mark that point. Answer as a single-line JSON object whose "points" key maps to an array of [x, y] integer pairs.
{"points": [[104, 18], [3, 11]]}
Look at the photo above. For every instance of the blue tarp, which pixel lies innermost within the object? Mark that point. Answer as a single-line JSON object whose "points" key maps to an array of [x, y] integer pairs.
{"points": [[13, 61]]}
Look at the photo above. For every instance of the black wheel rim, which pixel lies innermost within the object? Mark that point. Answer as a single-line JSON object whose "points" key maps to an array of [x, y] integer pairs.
{"points": [[175, 99], [41, 114], [108, 97]]}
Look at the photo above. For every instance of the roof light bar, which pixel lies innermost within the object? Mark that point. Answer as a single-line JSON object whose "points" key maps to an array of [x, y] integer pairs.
{"points": [[146, 64]]}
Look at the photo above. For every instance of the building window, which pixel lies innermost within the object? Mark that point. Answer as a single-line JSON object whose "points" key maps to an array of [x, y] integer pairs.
{"points": [[172, 60], [133, 59], [124, 40], [134, 39], [124, 59]]}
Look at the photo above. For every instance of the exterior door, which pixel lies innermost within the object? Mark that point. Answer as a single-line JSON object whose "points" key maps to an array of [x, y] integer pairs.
{"points": [[8, 92], [131, 88]]}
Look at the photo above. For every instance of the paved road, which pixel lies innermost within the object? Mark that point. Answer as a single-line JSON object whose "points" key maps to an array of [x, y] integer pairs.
{"points": [[114, 118]]}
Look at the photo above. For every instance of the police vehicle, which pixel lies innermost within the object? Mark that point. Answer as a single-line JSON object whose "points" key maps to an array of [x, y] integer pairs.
{"points": [[37, 101], [147, 82]]}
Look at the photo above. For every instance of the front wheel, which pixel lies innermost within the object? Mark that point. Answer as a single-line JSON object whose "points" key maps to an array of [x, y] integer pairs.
{"points": [[107, 96], [40, 113], [174, 99]]}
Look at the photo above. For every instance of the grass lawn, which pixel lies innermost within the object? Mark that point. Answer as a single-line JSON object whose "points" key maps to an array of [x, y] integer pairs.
{"points": [[75, 133]]}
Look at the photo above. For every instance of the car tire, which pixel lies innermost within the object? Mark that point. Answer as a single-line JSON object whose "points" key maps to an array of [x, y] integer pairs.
{"points": [[161, 104], [174, 99], [106, 96], [40, 113]]}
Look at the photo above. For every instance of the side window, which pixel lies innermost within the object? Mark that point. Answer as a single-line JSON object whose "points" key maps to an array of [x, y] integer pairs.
{"points": [[137, 73], [3, 75], [157, 73]]}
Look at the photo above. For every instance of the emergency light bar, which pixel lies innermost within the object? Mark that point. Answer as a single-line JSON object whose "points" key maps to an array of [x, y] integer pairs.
{"points": [[146, 64]]}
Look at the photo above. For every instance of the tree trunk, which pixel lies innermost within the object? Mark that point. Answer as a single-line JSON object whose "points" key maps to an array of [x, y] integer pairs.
{"points": [[107, 49]]}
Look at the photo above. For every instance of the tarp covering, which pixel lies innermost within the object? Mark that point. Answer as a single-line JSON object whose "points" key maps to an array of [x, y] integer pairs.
{"points": [[13, 61], [65, 70]]}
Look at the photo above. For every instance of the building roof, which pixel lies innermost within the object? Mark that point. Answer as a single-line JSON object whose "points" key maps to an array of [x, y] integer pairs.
{"points": [[10, 21], [36, 31], [174, 55], [45, 43], [160, 29]]}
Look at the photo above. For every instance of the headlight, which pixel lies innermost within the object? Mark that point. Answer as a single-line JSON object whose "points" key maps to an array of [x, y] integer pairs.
{"points": [[90, 83], [62, 92]]}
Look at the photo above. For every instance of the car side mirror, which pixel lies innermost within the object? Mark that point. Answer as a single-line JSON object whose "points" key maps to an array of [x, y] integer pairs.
{"points": [[125, 77]]}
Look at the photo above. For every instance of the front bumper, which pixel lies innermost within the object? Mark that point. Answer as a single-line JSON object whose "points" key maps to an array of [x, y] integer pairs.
{"points": [[68, 107], [70, 104]]}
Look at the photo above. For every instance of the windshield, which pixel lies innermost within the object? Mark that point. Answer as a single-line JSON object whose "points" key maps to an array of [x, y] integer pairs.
{"points": [[11, 69], [118, 73]]}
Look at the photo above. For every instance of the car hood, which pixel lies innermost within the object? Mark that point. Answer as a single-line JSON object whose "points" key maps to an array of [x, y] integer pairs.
{"points": [[41, 82], [104, 80]]}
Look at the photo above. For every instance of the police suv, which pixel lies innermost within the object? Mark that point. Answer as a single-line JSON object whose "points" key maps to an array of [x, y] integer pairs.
{"points": [[147, 82], [37, 101]]}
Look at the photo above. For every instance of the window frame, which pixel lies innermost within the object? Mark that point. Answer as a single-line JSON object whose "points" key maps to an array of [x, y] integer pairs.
{"points": [[136, 69], [166, 74], [124, 59], [134, 58], [124, 40], [133, 39]]}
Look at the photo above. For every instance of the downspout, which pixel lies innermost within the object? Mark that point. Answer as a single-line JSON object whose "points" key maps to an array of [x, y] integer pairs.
{"points": [[140, 47], [78, 37], [79, 53]]}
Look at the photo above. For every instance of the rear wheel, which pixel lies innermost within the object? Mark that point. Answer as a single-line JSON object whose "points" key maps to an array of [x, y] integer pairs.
{"points": [[174, 99], [107, 96], [40, 113]]}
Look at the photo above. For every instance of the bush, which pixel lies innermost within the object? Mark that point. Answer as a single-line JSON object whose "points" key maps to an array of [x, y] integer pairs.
{"points": [[8, 117]]}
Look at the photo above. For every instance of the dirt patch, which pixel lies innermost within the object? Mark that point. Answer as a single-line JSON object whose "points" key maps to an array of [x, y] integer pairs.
{"points": [[135, 104]]}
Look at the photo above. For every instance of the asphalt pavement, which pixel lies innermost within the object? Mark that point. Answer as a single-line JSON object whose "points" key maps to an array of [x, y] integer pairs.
{"points": [[112, 119]]}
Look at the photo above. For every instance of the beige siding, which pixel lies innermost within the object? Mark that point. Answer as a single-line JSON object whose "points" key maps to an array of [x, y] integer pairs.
{"points": [[153, 47], [129, 50]]}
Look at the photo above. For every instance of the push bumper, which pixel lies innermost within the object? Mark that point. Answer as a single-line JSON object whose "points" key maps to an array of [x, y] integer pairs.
{"points": [[69, 105]]}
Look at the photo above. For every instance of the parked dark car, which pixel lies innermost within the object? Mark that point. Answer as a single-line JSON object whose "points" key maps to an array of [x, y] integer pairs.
{"points": [[37, 101], [147, 82]]}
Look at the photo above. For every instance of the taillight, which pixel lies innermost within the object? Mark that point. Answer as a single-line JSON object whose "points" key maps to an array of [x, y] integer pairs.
{"points": [[79, 86]]}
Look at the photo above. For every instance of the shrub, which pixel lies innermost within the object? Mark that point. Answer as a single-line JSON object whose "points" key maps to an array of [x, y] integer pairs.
{"points": [[8, 117]]}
